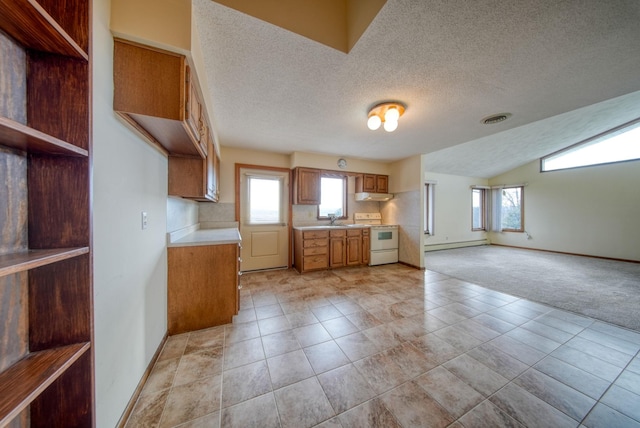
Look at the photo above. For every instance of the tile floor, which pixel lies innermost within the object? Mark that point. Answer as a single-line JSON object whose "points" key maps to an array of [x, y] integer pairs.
{"points": [[392, 346]]}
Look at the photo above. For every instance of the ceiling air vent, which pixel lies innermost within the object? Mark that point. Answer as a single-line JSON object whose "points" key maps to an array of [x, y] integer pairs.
{"points": [[495, 118]]}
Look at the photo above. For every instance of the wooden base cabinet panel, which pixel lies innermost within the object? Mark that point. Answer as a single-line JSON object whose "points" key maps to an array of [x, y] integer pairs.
{"points": [[202, 286]]}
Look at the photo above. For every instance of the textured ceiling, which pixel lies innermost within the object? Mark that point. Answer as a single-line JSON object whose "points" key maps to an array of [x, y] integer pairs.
{"points": [[549, 63]]}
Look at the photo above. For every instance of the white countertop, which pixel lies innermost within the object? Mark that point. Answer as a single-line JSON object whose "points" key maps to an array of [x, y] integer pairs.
{"points": [[207, 237]]}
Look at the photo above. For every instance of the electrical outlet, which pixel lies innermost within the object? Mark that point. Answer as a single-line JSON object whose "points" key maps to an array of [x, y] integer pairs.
{"points": [[144, 220]]}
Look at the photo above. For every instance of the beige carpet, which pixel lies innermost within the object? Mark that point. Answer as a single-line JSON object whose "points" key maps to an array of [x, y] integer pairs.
{"points": [[607, 290]]}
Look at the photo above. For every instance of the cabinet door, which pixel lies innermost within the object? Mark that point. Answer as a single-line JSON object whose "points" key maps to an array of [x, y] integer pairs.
{"points": [[354, 247], [366, 247], [187, 177], [193, 108], [382, 183], [369, 183], [306, 186], [337, 251], [195, 178]]}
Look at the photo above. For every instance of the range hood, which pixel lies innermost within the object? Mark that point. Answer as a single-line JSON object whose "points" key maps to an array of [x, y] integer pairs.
{"points": [[366, 196]]}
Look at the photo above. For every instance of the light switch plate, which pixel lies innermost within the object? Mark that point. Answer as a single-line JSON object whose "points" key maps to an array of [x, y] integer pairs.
{"points": [[144, 220]]}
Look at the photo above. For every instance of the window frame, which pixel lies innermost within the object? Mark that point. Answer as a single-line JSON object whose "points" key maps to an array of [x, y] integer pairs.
{"points": [[344, 178], [521, 187], [429, 208], [482, 209]]}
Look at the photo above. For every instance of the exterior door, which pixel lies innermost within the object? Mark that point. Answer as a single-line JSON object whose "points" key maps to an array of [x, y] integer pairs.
{"points": [[264, 218]]}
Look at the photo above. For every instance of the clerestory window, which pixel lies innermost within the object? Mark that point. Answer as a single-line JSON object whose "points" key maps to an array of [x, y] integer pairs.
{"points": [[616, 145]]}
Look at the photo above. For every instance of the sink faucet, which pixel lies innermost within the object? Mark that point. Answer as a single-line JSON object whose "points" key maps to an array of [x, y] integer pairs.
{"points": [[332, 219]]}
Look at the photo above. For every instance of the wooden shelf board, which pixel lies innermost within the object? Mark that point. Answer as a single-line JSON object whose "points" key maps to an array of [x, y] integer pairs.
{"points": [[18, 136], [32, 26], [21, 383], [17, 262]]}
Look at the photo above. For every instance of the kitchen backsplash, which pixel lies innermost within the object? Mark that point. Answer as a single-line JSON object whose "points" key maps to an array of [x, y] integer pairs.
{"points": [[222, 214], [306, 215], [181, 213]]}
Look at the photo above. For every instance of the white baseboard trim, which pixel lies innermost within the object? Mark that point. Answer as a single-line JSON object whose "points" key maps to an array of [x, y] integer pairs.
{"points": [[450, 245]]}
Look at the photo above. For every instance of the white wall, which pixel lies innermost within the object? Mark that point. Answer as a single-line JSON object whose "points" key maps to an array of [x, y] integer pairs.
{"points": [[452, 212], [229, 156], [406, 208], [591, 211], [130, 272], [316, 160]]}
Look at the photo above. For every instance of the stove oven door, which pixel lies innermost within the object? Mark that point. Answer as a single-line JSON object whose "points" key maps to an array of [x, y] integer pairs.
{"points": [[384, 238]]}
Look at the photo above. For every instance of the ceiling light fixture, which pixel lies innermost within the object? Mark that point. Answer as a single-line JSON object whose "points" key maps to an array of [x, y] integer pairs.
{"points": [[387, 114]]}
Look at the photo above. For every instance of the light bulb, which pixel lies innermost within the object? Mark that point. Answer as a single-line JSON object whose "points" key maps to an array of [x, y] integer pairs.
{"points": [[392, 115], [374, 122], [390, 125]]}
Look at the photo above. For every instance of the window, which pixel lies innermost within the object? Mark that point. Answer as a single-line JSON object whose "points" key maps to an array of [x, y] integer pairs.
{"points": [[333, 197], [429, 193], [265, 206], [616, 145], [478, 209], [511, 218]]}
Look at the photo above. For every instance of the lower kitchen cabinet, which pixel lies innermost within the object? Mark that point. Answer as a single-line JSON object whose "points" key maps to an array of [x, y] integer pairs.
{"points": [[202, 286], [311, 250], [330, 248]]}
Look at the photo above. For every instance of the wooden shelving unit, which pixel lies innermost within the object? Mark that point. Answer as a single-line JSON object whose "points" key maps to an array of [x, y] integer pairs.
{"points": [[21, 137], [22, 383], [46, 289], [19, 262]]}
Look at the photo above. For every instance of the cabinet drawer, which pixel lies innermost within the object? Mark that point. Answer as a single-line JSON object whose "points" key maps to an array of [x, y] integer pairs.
{"points": [[315, 234], [354, 232], [311, 251], [338, 233], [315, 262], [315, 243]]}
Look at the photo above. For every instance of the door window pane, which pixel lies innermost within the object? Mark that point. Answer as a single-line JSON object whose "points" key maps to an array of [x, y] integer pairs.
{"points": [[264, 200]]}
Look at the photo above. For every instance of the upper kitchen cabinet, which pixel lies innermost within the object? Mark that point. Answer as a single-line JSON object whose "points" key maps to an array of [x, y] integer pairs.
{"points": [[372, 183], [195, 178], [306, 186], [158, 94]]}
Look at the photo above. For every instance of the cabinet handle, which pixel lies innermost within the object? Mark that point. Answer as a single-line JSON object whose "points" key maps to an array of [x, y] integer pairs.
{"points": [[239, 273]]}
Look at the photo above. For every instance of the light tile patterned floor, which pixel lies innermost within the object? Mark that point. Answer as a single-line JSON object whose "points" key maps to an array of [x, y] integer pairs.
{"points": [[392, 346]]}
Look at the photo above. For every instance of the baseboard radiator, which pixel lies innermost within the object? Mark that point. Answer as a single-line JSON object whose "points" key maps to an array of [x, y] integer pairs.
{"points": [[460, 244]]}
